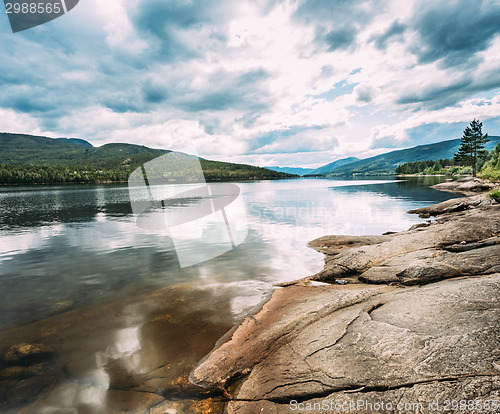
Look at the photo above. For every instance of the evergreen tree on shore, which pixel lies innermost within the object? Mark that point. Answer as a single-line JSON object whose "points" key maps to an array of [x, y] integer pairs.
{"points": [[472, 145]]}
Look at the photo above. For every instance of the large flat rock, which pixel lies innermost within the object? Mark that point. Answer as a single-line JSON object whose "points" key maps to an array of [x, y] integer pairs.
{"points": [[473, 395], [311, 343]]}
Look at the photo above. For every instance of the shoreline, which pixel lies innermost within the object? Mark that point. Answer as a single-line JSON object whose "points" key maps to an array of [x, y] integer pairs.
{"points": [[107, 182], [402, 317]]}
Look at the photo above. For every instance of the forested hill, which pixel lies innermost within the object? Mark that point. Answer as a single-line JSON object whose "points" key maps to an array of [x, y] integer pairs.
{"points": [[18, 149], [35, 159], [387, 163]]}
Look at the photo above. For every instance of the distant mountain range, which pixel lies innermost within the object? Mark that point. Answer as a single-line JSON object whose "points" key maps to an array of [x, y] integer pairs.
{"points": [[334, 166], [311, 171], [22, 149], [26, 151], [385, 164], [291, 170]]}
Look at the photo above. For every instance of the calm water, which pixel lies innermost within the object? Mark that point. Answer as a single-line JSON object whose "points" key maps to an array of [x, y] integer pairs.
{"points": [[64, 248]]}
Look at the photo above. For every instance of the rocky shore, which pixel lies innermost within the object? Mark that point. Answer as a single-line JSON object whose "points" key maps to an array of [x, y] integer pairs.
{"points": [[466, 185], [403, 322]]}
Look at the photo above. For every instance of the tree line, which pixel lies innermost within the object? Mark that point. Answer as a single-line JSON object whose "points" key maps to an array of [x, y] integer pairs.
{"points": [[448, 166], [470, 158], [53, 174], [59, 174]]}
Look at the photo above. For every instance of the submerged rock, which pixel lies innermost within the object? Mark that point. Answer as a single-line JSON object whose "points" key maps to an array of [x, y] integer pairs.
{"points": [[27, 354], [28, 369]]}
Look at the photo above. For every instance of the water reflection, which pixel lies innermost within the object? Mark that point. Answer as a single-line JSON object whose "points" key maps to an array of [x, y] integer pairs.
{"points": [[57, 265], [126, 354], [28, 207]]}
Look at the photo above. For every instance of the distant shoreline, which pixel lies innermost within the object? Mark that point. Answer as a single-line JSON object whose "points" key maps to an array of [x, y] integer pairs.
{"points": [[432, 175], [224, 180]]}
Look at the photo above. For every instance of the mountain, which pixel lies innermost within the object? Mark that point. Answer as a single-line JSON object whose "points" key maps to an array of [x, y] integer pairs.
{"points": [[291, 170], [384, 164], [27, 159], [321, 170], [333, 165], [22, 149], [77, 141]]}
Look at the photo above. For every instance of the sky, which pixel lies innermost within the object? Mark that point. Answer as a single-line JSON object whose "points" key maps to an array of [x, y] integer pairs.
{"points": [[263, 82]]}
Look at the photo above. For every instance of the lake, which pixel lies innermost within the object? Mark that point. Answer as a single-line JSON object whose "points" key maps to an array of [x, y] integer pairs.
{"points": [[126, 322]]}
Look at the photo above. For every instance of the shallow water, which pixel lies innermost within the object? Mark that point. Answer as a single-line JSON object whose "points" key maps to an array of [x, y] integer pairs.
{"points": [[121, 314]]}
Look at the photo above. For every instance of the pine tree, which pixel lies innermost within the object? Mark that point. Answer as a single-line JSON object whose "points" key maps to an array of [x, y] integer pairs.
{"points": [[471, 145]]}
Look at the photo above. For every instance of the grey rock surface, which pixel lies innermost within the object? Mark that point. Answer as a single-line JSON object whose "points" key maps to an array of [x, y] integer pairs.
{"points": [[311, 343], [480, 393], [466, 185]]}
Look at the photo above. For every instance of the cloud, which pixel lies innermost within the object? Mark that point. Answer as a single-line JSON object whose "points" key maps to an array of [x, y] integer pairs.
{"points": [[386, 142], [180, 29], [393, 32], [340, 11], [446, 94], [228, 90], [341, 38], [294, 139], [450, 87], [454, 31], [421, 134], [447, 123], [365, 93], [337, 23], [154, 93], [12, 121]]}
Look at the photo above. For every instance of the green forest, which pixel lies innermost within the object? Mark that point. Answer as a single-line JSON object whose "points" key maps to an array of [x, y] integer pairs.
{"points": [[54, 174], [27, 159], [488, 165]]}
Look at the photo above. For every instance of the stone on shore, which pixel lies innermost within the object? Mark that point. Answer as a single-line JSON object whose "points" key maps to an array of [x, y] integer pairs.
{"points": [[466, 185], [378, 343]]}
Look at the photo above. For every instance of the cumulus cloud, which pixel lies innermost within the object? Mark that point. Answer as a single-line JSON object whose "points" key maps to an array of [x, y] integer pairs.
{"points": [[393, 33], [365, 93], [294, 139], [341, 38]]}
